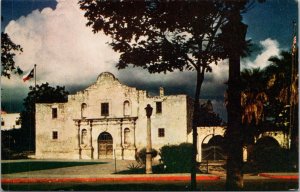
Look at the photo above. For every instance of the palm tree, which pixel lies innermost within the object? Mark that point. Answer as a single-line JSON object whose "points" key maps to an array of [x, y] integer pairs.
{"points": [[283, 86], [253, 100]]}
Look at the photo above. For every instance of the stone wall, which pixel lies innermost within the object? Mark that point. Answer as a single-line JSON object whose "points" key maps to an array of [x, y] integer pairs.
{"points": [[80, 121]]}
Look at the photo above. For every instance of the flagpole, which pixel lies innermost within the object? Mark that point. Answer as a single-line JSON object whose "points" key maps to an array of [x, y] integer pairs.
{"points": [[35, 96], [34, 76]]}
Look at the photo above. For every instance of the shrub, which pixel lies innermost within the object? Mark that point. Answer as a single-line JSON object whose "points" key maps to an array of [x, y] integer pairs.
{"points": [[140, 156], [177, 158], [270, 158], [135, 168]]}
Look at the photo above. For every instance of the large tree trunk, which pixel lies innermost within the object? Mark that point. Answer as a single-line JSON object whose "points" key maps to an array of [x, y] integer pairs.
{"points": [[236, 32], [200, 78], [234, 176]]}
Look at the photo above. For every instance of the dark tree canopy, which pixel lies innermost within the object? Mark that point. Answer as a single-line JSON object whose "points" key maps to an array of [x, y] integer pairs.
{"points": [[280, 70], [207, 116], [160, 36], [8, 52], [163, 36], [44, 94]]}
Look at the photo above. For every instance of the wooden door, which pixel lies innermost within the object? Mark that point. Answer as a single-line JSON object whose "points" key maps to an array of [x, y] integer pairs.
{"points": [[105, 146]]}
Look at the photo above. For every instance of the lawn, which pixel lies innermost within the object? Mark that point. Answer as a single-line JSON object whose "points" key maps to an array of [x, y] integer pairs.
{"points": [[17, 167]]}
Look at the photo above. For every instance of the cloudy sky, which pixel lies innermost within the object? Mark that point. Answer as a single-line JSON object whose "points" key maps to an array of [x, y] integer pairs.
{"points": [[54, 36]]}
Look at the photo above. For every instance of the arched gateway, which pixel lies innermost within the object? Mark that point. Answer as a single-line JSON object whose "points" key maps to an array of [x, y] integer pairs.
{"points": [[105, 146]]}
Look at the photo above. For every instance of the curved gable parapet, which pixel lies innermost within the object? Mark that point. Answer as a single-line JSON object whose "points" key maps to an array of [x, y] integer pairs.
{"points": [[106, 77], [107, 81]]}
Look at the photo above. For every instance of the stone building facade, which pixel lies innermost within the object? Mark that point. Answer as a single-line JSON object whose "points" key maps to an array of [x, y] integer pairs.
{"points": [[108, 120]]}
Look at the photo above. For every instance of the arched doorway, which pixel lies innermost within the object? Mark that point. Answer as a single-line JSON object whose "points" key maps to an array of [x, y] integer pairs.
{"points": [[105, 146], [213, 149]]}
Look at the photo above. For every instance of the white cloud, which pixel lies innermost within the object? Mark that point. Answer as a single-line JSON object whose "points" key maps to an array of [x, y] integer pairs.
{"points": [[270, 48], [69, 53], [65, 50]]}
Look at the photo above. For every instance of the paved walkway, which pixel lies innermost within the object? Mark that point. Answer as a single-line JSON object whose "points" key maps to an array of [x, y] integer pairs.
{"points": [[107, 167], [105, 172]]}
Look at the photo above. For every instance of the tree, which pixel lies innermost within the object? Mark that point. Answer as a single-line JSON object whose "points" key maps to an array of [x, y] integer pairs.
{"points": [[283, 87], [207, 117], [253, 100], [280, 72], [163, 36], [233, 38], [8, 52], [40, 94]]}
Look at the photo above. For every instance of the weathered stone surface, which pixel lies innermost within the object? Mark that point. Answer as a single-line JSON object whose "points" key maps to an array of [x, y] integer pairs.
{"points": [[84, 133], [79, 123]]}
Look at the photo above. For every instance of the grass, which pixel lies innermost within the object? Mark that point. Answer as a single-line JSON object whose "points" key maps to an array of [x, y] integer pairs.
{"points": [[17, 167]]}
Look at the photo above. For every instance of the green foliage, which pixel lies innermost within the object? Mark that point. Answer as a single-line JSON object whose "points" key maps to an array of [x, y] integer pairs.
{"points": [[41, 94], [12, 142], [267, 94], [140, 156], [269, 156], [161, 36], [8, 52], [134, 168], [207, 116], [177, 158], [283, 90]]}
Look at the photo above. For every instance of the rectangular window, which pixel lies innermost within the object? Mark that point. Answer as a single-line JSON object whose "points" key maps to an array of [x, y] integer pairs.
{"points": [[54, 135], [54, 113], [2, 123], [158, 107], [161, 132], [18, 122], [104, 109]]}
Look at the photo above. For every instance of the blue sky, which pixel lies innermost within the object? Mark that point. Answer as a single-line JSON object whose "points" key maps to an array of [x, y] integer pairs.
{"points": [[53, 35]]}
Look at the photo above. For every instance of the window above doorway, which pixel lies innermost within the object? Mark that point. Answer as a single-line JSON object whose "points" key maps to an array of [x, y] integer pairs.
{"points": [[104, 109]]}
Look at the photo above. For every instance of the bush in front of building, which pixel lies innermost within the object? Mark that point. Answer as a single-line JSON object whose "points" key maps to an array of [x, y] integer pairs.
{"points": [[140, 156], [177, 158], [269, 156]]}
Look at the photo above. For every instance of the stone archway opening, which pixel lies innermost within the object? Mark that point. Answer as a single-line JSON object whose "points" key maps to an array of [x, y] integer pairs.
{"points": [[267, 141], [105, 146], [213, 150]]}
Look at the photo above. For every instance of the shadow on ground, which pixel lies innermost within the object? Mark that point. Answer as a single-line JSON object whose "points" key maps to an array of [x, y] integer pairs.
{"points": [[17, 167]]}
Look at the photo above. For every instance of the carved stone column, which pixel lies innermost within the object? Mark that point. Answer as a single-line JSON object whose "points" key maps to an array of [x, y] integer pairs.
{"points": [[78, 149], [119, 146], [132, 142], [91, 139], [130, 152]]}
